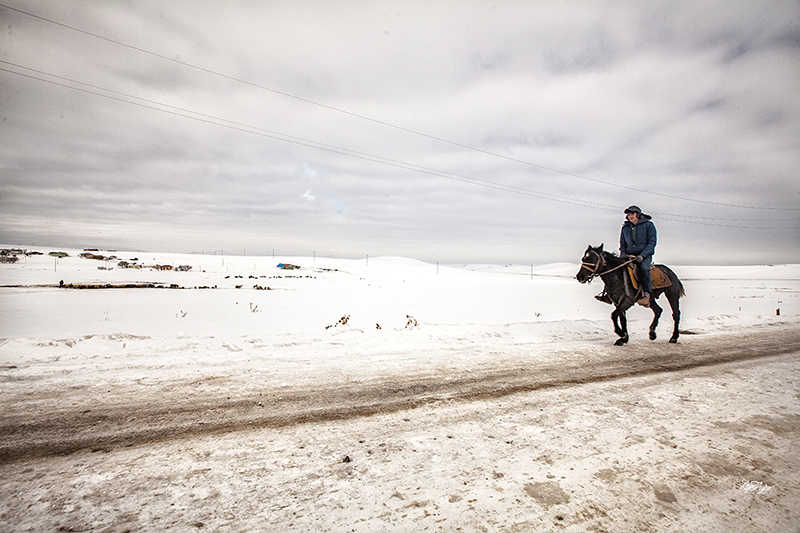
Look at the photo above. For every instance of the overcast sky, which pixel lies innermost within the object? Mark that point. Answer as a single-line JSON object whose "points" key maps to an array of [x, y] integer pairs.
{"points": [[502, 132]]}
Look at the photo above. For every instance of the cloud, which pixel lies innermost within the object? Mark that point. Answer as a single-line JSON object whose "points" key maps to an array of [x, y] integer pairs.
{"points": [[465, 132]]}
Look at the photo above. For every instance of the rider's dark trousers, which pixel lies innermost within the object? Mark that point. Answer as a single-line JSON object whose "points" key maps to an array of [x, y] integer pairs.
{"points": [[644, 274]]}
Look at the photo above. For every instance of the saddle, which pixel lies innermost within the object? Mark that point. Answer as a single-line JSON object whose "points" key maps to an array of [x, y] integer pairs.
{"points": [[658, 280]]}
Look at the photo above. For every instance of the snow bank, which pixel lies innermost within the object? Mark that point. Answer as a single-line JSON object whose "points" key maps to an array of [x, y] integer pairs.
{"points": [[335, 315]]}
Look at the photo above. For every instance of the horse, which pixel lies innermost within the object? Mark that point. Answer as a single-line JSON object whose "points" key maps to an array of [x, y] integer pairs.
{"points": [[619, 289]]}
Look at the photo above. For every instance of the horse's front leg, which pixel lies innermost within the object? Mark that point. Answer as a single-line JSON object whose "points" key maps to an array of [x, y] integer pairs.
{"points": [[657, 314], [620, 326]]}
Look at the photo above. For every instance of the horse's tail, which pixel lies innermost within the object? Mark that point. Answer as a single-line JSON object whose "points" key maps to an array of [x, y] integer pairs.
{"points": [[676, 282], [682, 291]]}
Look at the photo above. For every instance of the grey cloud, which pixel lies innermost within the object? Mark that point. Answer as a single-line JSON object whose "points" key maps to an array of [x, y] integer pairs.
{"points": [[655, 104]]}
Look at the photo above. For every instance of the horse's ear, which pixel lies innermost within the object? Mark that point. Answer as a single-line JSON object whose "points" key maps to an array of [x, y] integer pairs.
{"points": [[601, 247]]}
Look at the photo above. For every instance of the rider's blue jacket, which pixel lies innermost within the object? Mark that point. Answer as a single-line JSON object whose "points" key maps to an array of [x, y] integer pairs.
{"points": [[638, 240]]}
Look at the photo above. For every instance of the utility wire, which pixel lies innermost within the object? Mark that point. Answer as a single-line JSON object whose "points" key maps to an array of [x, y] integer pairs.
{"points": [[246, 128], [384, 123], [310, 143], [209, 119], [403, 164]]}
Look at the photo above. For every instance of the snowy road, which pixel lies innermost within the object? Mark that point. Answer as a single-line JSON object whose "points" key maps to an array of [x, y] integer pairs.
{"points": [[650, 437], [37, 422]]}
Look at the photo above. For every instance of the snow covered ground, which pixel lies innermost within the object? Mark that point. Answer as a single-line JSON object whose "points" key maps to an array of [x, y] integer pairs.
{"points": [[457, 457]]}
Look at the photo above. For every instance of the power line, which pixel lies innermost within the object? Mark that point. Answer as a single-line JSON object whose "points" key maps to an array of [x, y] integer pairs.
{"points": [[246, 128], [388, 124]]}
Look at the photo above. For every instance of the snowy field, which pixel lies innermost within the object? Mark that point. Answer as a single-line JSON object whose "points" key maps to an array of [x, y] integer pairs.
{"points": [[388, 394]]}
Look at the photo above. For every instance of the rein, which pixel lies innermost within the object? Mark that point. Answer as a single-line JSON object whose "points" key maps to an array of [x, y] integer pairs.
{"points": [[593, 268]]}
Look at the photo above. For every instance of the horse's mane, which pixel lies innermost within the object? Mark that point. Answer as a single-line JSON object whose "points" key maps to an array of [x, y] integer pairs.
{"points": [[612, 258]]}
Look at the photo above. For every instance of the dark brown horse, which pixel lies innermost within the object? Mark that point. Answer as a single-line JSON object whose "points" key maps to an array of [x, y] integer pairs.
{"points": [[619, 289]]}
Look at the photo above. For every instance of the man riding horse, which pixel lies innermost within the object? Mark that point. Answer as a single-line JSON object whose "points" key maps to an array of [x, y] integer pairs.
{"points": [[637, 243], [638, 240]]}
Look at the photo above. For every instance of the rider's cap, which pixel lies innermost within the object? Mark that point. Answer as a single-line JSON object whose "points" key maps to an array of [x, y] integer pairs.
{"points": [[633, 209]]}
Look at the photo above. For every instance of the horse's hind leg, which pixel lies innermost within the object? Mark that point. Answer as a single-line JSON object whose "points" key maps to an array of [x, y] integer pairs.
{"points": [[676, 316], [657, 314]]}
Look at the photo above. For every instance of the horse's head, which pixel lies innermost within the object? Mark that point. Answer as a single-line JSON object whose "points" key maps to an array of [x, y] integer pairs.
{"points": [[593, 260]]}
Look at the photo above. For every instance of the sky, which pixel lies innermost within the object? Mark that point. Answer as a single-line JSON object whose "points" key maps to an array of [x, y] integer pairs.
{"points": [[445, 131]]}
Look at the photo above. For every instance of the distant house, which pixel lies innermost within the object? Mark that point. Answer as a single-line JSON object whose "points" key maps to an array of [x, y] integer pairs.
{"points": [[288, 266], [89, 255]]}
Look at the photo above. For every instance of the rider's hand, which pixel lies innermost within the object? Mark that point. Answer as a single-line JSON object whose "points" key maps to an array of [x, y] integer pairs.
{"points": [[638, 258]]}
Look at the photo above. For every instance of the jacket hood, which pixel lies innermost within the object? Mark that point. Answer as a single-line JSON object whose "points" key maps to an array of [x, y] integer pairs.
{"points": [[636, 209], [642, 218]]}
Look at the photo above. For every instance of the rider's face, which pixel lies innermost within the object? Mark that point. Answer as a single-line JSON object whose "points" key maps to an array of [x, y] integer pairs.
{"points": [[633, 217]]}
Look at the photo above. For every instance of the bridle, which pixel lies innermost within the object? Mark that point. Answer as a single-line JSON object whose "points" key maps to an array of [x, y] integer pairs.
{"points": [[594, 268]]}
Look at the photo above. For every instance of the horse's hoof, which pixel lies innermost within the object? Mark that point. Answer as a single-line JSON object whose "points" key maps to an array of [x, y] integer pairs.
{"points": [[620, 342], [652, 335], [673, 341]]}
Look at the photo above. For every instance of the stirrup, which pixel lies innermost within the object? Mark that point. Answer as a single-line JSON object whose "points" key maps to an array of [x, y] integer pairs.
{"points": [[603, 297]]}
